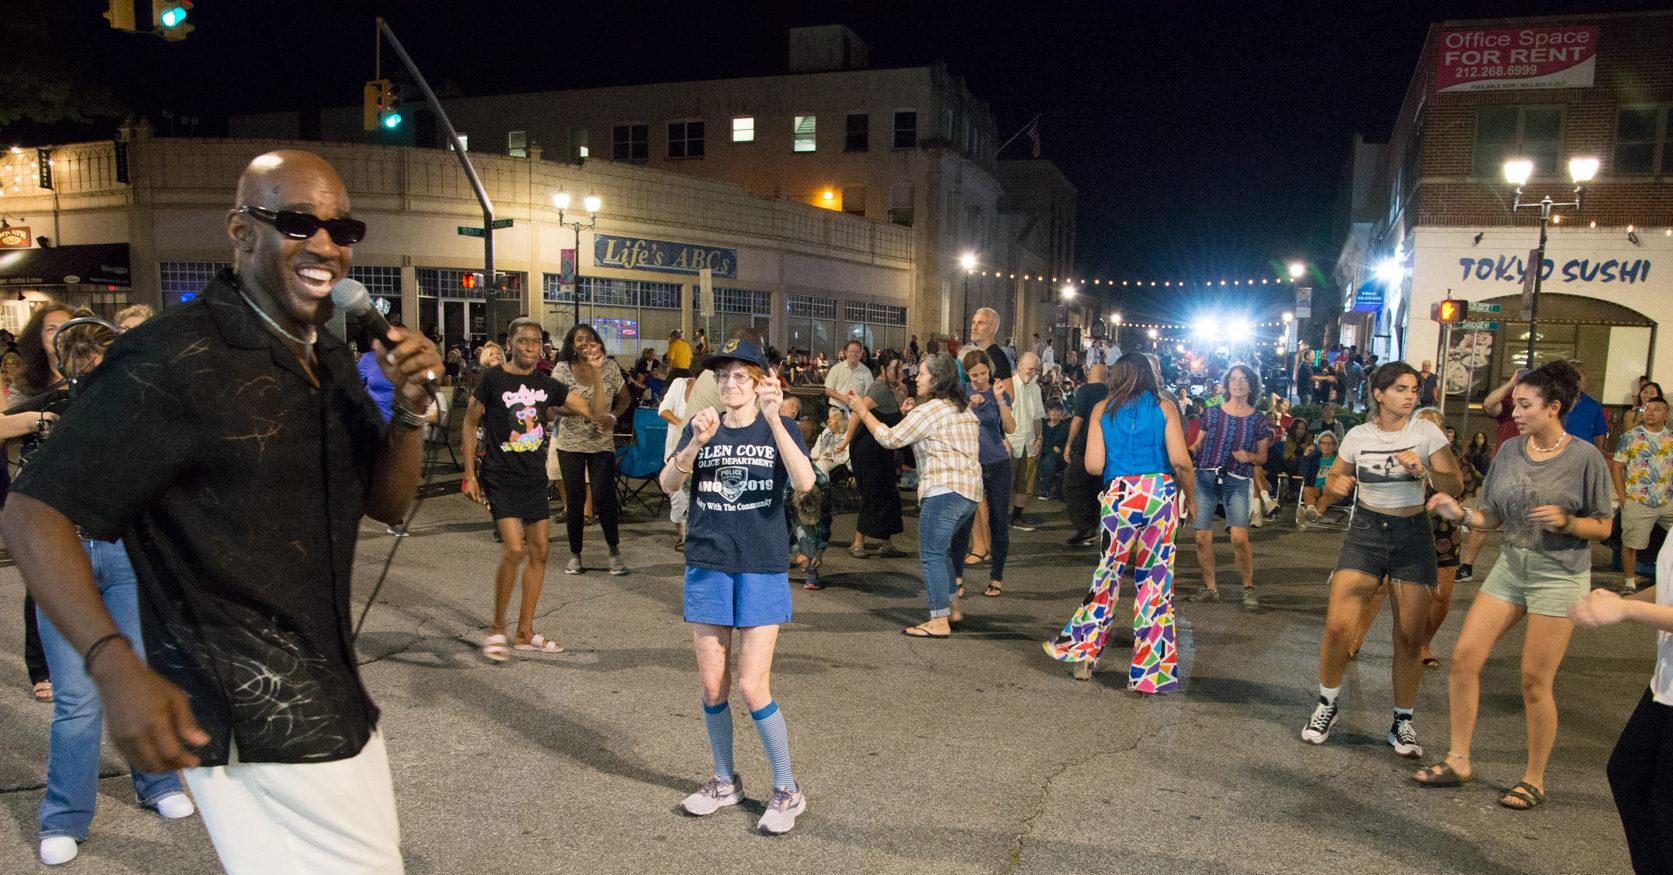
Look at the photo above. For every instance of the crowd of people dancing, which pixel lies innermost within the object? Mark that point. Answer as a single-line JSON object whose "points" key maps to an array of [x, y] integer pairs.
{"points": [[755, 450]]}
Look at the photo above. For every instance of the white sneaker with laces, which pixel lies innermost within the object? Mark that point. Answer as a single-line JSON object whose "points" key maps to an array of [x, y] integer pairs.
{"points": [[714, 795], [782, 810]]}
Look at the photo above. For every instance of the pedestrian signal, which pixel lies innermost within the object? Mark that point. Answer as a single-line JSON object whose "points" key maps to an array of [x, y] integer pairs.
{"points": [[1449, 311]]}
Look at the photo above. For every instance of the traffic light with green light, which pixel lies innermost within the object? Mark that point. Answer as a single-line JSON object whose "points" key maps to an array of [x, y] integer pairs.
{"points": [[380, 106], [168, 18], [1450, 311]]}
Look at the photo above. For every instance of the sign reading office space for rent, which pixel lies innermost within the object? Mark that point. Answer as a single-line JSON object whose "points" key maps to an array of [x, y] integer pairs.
{"points": [[1503, 59]]}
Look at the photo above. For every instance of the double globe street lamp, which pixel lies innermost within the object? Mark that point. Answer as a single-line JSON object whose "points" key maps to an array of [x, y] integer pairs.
{"points": [[591, 204], [1517, 172]]}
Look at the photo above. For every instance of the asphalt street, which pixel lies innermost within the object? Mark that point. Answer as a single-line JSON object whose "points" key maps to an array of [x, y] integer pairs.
{"points": [[971, 755]]}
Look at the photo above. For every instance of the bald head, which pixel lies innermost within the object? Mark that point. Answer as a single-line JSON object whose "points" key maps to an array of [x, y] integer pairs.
{"points": [[294, 275], [1098, 373], [277, 178]]}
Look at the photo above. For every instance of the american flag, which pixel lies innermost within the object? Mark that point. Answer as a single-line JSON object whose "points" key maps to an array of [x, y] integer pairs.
{"points": [[1034, 137]]}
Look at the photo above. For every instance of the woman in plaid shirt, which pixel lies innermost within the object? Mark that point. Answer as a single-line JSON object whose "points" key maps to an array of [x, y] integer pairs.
{"points": [[943, 435]]}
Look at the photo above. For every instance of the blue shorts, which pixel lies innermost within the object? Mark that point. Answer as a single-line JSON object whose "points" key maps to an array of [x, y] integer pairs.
{"points": [[1217, 488], [738, 601]]}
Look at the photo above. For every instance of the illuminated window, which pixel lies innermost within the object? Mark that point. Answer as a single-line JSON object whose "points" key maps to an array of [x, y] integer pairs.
{"points": [[743, 129], [803, 134]]}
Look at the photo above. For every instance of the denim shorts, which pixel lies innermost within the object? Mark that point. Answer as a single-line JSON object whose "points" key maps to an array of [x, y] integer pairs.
{"points": [[1400, 548], [1215, 488], [736, 600]]}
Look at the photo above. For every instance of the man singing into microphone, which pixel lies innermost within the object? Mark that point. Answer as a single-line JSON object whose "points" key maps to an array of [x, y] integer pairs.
{"points": [[263, 451]]}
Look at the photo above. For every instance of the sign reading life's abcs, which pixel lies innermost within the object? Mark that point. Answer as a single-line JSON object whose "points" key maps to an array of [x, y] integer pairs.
{"points": [[639, 253]]}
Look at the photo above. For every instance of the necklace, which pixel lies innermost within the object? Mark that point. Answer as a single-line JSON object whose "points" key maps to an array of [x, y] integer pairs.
{"points": [[313, 333], [1538, 448]]}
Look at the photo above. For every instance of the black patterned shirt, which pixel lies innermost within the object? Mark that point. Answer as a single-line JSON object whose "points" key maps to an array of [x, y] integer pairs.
{"points": [[238, 487]]}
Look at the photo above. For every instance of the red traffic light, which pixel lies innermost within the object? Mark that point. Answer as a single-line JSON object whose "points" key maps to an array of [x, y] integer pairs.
{"points": [[1449, 311]]}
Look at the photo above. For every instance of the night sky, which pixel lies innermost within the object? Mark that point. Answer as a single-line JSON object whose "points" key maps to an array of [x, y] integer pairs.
{"points": [[1206, 139]]}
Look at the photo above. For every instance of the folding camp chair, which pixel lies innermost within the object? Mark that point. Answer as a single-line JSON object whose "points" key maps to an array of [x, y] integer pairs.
{"points": [[640, 459]]}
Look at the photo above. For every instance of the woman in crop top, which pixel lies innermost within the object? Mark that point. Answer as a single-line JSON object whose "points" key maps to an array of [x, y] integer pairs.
{"points": [[1391, 458], [1138, 448]]}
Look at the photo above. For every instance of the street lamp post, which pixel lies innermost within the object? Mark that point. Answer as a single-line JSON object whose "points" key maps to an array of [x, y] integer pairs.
{"points": [[968, 262], [590, 203], [1517, 172]]}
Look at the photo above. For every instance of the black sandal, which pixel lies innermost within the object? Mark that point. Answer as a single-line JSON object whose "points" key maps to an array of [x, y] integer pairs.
{"points": [[1530, 795]]}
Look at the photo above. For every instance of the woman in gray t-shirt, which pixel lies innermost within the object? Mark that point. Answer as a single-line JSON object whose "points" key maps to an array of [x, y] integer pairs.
{"points": [[1551, 494]]}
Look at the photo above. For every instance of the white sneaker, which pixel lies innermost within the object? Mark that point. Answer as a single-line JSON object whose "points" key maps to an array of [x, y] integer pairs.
{"points": [[175, 806], [574, 566], [782, 810], [714, 795], [58, 850]]}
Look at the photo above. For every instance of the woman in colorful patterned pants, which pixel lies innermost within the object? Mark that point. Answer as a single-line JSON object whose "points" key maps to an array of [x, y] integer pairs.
{"points": [[1139, 449]]}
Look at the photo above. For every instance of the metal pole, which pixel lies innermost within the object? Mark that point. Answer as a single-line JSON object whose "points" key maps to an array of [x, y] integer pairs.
{"points": [[1538, 267], [488, 275], [964, 326], [577, 294]]}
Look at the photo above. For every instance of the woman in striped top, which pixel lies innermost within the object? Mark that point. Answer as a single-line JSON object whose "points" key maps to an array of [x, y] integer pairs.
{"points": [[943, 435]]}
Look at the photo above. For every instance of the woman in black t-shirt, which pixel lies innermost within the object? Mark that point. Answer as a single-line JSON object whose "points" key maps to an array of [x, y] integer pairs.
{"points": [[515, 405]]}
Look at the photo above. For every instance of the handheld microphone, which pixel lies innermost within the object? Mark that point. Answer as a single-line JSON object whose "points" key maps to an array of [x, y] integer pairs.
{"points": [[350, 296]]}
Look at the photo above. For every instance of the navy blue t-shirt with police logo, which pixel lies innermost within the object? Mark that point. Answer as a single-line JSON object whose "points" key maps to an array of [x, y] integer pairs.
{"points": [[737, 503]]}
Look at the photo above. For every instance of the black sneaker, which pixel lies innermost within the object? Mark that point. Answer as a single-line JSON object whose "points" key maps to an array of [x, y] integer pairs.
{"points": [[1078, 539], [1323, 720], [1403, 738], [1021, 524], [1464, 574]]}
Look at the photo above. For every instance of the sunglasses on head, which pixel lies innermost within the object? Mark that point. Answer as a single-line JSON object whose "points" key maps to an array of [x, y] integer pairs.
{"points": [[301, 226]]}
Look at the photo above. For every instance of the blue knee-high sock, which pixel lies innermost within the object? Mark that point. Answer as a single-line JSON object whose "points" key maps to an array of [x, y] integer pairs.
{"points": [[776, 740], [717, 719]]}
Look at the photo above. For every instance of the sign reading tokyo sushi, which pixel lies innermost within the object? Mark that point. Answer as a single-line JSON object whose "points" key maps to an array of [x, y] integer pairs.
{"points": [[1512, 269], [1502, 59]]}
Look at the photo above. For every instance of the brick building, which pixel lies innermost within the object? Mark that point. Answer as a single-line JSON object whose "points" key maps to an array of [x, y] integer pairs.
{"points": [[1545, 89]]}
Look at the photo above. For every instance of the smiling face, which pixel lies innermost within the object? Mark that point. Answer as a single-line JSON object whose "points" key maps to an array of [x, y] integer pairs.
{"points": [[296, 274], [978, 377], [737, 384], [851, 353], [1327, 443]]}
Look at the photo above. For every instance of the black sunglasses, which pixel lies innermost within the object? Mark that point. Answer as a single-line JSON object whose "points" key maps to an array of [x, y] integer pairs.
{"points": [[301, 226]]}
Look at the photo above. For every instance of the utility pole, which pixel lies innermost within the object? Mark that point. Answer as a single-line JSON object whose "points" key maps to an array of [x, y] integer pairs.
{"points": [[488, 275]]}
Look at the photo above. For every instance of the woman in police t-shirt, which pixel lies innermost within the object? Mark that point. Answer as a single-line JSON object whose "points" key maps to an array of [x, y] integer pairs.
{"points": [[736, 575]]}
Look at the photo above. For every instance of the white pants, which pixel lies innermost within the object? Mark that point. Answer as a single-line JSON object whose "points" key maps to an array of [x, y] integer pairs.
{"points": [[679, 506], [333, 818]]}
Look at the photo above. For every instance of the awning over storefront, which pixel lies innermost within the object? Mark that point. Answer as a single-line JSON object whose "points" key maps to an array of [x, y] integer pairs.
{"points": [[99, 264]]}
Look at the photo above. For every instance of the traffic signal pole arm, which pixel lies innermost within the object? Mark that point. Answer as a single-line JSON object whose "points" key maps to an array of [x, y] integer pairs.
{"points": [[458, 148]]}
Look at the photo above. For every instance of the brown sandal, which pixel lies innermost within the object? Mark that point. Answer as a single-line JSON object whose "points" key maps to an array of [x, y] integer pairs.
{"points": [[993, 591], [1529, 795], [1441, 774]]}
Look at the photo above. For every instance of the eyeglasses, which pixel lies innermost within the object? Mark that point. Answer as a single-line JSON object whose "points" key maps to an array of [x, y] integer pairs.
{"points": [[301, 226], [734, 377]]}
